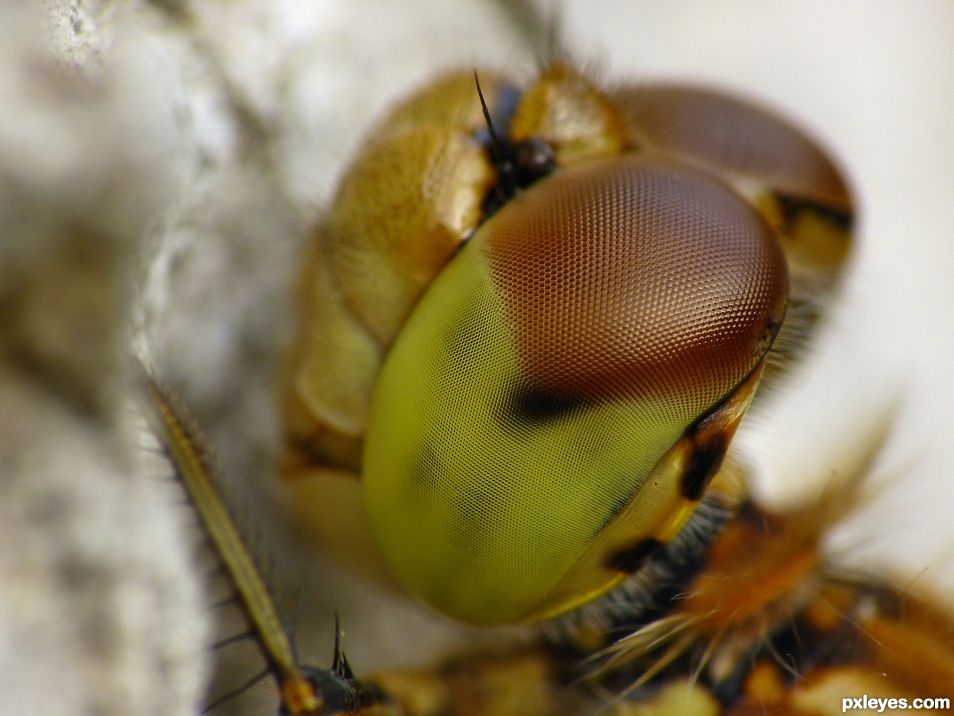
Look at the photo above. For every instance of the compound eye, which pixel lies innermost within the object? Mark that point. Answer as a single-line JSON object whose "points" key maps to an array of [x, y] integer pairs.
{"points": [[729, 134], [538, 417], [636, 280]]}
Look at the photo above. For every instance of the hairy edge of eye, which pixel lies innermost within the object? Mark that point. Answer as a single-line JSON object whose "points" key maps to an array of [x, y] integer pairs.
{"points": [[539, 413]]}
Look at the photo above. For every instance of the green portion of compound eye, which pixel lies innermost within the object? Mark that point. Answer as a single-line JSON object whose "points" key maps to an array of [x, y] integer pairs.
{"points": [[535, 417]]}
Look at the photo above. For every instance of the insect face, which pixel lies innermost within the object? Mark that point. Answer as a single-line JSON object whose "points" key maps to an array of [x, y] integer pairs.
{"points": [[535, 413], [538, 414]]}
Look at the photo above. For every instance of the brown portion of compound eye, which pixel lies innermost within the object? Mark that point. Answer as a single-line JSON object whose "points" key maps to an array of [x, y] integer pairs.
{"points": [[731, 134], [633, 278]]}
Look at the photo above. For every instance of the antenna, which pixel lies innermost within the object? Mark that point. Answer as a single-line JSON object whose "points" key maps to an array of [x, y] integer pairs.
{"points": [[506, 187], [305, 691]]}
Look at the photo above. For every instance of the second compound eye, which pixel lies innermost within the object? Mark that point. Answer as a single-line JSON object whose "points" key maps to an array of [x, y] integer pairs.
{"points": [[538, 413]]}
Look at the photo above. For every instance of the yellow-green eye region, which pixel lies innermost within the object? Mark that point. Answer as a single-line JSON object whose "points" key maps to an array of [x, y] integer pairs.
{"points": [[563, 391]]}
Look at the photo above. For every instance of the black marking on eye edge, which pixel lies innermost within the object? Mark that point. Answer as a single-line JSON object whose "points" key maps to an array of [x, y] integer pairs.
{"points": [[703, 464], [790, 207], [531, 405], [630, 559]]}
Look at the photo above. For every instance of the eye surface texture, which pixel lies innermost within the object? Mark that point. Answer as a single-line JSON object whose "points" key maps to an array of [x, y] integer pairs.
{"points": [[540, 386]]}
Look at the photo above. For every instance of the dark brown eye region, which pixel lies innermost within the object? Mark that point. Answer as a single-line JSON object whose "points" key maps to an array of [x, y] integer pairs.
{"points": [[637, 278]]}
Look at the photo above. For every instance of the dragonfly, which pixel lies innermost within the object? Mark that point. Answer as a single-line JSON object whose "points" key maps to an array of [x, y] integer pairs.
{"points": [[396, 410], [659, 132]]}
